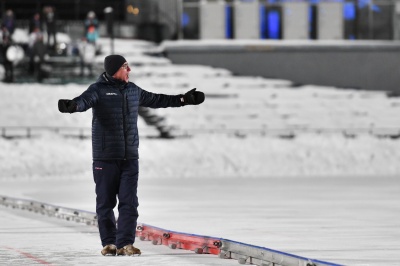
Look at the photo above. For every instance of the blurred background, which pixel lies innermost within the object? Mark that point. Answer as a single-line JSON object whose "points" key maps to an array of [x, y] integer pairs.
{"points": [[326, 36], [298, 136], [159, 20]]}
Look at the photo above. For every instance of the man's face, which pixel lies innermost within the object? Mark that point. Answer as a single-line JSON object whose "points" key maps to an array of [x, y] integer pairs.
{"points": [[123, 72]]}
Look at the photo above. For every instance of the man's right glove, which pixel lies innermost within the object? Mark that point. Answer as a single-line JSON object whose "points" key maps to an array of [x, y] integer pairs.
{"points": [[67, 106], [193, 97]]}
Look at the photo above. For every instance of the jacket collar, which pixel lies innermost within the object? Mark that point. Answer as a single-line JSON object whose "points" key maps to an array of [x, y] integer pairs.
{"points": [[111, 81]]}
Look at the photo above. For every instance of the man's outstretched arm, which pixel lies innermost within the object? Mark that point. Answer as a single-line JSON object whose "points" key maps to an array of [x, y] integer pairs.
{"points": [[79, 104], [153, 100]]}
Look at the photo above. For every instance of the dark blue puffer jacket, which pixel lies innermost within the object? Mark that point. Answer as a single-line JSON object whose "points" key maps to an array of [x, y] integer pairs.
{"points": [[115, 107]]}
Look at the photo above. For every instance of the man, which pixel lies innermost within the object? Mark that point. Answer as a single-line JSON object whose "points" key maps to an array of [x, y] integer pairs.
{"points": [[38, 56], [87, 54], [35, 24], [9, 21], [5, 44], [50, 21], [91, 27], [115, 140]]}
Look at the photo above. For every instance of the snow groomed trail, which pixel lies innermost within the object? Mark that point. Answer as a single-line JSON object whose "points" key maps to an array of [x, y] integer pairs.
{"points": [[223, 248]]}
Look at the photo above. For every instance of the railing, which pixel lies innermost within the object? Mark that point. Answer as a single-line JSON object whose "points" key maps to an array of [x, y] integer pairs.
{"points": [[162, 131], [200, 244], [11, 132]]}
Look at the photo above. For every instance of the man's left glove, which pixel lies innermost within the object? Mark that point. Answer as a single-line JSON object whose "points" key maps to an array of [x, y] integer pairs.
{"points": [[67, 106], [193, 97]]}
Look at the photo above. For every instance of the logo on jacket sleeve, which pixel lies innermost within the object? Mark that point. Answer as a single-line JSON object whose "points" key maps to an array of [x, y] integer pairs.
{"points": [[111, 93]]}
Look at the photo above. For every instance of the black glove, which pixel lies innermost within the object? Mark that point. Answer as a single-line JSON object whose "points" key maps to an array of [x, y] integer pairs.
{"points": [[193, 97], [67, 106]]}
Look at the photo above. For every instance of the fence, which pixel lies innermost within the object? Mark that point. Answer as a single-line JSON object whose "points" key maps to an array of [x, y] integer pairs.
{"points": [[12, 132], [19, 132]]}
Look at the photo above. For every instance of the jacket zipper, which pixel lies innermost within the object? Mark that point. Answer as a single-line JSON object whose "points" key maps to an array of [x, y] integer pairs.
{"points": [[124, 102]]}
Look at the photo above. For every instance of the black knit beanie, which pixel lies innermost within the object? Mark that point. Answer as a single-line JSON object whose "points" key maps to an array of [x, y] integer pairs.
{"points": [[112, 63]]}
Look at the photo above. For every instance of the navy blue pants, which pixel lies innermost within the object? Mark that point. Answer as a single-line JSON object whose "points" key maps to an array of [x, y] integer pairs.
{"points": [[116, 178]]}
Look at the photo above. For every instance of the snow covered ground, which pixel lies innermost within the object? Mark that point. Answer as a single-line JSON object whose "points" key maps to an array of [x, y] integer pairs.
{"points": [[308, 170]]}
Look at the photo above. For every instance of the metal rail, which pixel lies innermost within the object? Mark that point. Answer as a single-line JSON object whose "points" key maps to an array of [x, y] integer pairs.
{"points": [[50, 210], [30, 131], [200, 244], [10, 132]]}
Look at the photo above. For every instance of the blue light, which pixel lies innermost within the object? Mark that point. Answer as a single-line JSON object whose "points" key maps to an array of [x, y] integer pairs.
{"points": [[185, 19], [228, 24], [273, 24], [349, 11]]}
